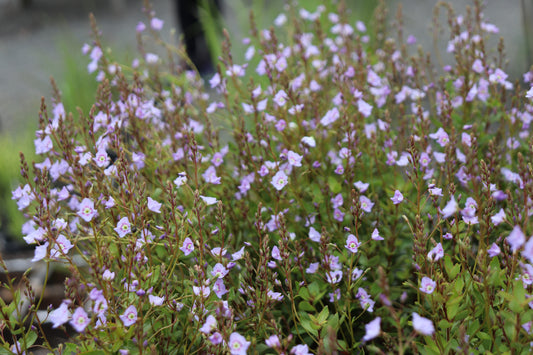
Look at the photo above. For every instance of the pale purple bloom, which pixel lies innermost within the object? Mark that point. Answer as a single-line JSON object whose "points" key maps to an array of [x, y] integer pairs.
{"points": [[441, 137], [516, 238], [356, 273], [156, 300], [216, 338], [237, 344], [372, 329], [210, 325], [273, 341], [330, 117], [188, 246], [154, 206], [156, 24], [527, 252], [123, 227], [435, 191], [498, 217], [108, 275], [294, 159], [375, 235], [86, 210], [300, 350], [61, 247], [281, 98], [280, 180], [334, 276], [219, 271], [477, 66], [352, 244], [364, 299], [313, 267], [436, 253], [219, 288], [529, 93], [397, 198], [450, 209], [447, 236], [210, 176], [209, 200], [337, 201], [314, 235], [181, 180], [129, 317], [338, 215], [140, 27], [235, 70], [422, 325], [101, 158], [366, 204], [79, 320], [43, 145], [40, 252], [364, 107], [427, 285], [276, 296], [275, 253], [60, 315], [309, 141], [361, 186]]}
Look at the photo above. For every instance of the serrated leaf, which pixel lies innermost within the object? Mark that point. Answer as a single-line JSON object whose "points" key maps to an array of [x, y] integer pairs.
{"points": [[323, 316], [306, 306], [304, 293], [308, 326]]}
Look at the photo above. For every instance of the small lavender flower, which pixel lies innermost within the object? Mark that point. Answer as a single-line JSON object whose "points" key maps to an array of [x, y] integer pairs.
{"points": [[280, 180], [436, 253], [60, 316], [79, 320], [237, 344], [86, 210], [154, 206], [352, 244], [427, 285], [366, 204], [372, 329], [188, 246], [397, 198], [516, 238], [129, 317], [422, 325], [123, 227]]}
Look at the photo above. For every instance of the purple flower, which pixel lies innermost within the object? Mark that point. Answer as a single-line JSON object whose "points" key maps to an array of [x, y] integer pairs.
{"points": [[375, 235], [188, 246], [275, 253], [361, 186], [86, 210], [366, 204], [448, 236], [294, 159], [79, 320], [210, 176], [441, 137], [156, 24], [123, 227], [153, 205], [330, 117], [397, 198], [219, 288], [281, 98], [129, 317], [280, 180], [181, 180], [427, 285], [338, 215], [40, 252], [450, 209], [273, 342], [516, 238], [372, 329], [527, 252], [352, 244], [219, 271], [313, 267], [314, 235], [498, 217], [101, 158], [334, 277], [44, 145], [300, 350], [156, 300], [364, 107], [436, 253], [60, 315], [209, 200], [422, 325], [210, 325], [237, 344]]}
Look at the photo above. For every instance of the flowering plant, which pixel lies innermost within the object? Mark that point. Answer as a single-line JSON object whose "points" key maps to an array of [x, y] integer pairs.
{"points": [[330, 193]]}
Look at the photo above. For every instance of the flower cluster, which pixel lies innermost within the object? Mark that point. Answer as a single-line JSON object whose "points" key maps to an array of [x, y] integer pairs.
{"points": [[359, 196]]}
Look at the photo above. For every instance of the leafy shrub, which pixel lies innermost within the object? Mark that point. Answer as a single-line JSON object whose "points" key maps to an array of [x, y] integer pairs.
{"points": [[333, 193]]}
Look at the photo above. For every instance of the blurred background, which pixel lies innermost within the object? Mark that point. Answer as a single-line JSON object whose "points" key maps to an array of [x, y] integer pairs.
{"points": [[43, 38]]}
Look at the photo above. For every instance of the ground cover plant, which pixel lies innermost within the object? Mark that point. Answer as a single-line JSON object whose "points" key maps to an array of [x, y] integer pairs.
{"points": [[331, 194]]}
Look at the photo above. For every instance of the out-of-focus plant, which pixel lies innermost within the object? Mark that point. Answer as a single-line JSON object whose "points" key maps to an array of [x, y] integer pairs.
{"points": [[359, 201]]}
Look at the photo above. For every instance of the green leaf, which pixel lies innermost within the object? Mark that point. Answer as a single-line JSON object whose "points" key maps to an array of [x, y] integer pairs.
{"points": [[452, 306], [519, 298], [459, 284], [334, 185], [308, 326], [304, 293], [306, 306], [324, 314], [444, 324]]}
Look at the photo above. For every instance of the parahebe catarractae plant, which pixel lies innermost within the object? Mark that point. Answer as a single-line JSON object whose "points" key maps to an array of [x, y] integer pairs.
{"points": [[331, 193]]}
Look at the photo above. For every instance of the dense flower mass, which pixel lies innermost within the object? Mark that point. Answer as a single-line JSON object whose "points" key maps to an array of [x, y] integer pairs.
{"points": [[327, 191]]}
